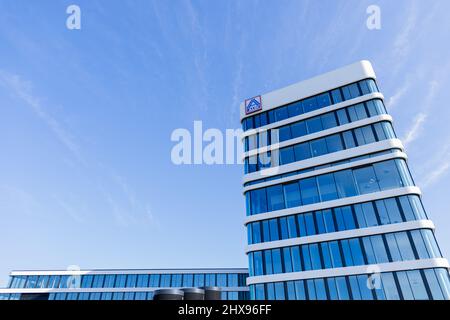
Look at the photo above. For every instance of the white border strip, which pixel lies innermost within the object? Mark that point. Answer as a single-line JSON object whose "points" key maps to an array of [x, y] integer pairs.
{"points": [[124, 271], [348, 271], [413, 190], [347, 234]]}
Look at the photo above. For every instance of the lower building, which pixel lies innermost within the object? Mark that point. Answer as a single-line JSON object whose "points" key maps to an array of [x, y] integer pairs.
{"points": [[120, 284]]}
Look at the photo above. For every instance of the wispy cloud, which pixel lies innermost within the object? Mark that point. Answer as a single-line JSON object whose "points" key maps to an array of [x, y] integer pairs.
{"points": [[69, 209], [437, 173], [126, 190], [129, 215], [22, 89], [402, 43], [436, 167], [398, 95], [200, 53], [323, 46], [119, 217], [123, 203], [418, 22], [125, 206], [415, 129], [17, 201], [237, 84]]}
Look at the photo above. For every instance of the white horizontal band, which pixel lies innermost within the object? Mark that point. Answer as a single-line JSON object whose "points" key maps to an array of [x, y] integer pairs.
{"points": [[318, 112], [325, 159], [124, 271], [100, 290], [413, 190], [347, 271], [347, 234], [320, 134]]}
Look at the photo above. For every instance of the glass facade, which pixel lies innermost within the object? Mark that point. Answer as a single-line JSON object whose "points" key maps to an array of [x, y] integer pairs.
{"points": [[317, 236], [371, 178], [232, 283], [355, 216], [327, 165], [318, 147], [303, 106], [426, 284], [132, 280], [376, 249], [318, 123]]}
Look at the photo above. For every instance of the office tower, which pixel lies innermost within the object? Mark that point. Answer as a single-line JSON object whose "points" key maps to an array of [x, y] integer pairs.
{"points": [[332, 209]]}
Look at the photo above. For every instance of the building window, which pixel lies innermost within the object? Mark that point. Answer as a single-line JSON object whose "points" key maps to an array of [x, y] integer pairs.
{"points": [[366, 180], [327, 187], [275, 199], [292, 195], [309, 191]]}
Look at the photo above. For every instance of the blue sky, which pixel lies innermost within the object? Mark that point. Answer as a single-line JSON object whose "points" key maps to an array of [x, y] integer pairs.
{"points": [[86, 117]]}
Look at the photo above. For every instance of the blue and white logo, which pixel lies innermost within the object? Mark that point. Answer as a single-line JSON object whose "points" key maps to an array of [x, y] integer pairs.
{"points": [[253, 104]]}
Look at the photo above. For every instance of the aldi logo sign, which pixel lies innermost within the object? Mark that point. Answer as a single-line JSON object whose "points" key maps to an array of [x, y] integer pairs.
{"points": [[253, 104]]}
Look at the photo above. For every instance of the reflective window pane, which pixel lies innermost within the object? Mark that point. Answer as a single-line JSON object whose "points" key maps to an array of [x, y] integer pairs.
{"points": [[366, 180], [309, 193], [300, 290], [379, 249], [404, 246], [276, 259], [318, 147], [327, 187], [258, 201], [334, 143], [274, 234], [295, 109], [349, 139], [309, 104], [433, 284], [302, 151], [286, 155], [329, 120], [345, 183], [342, 116], [314, 125], [292, 195], [387, 175], [342, 288], [281, 114], [417, 285], [323, 100], [284, 133], [298, 129], [337, 96]]}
